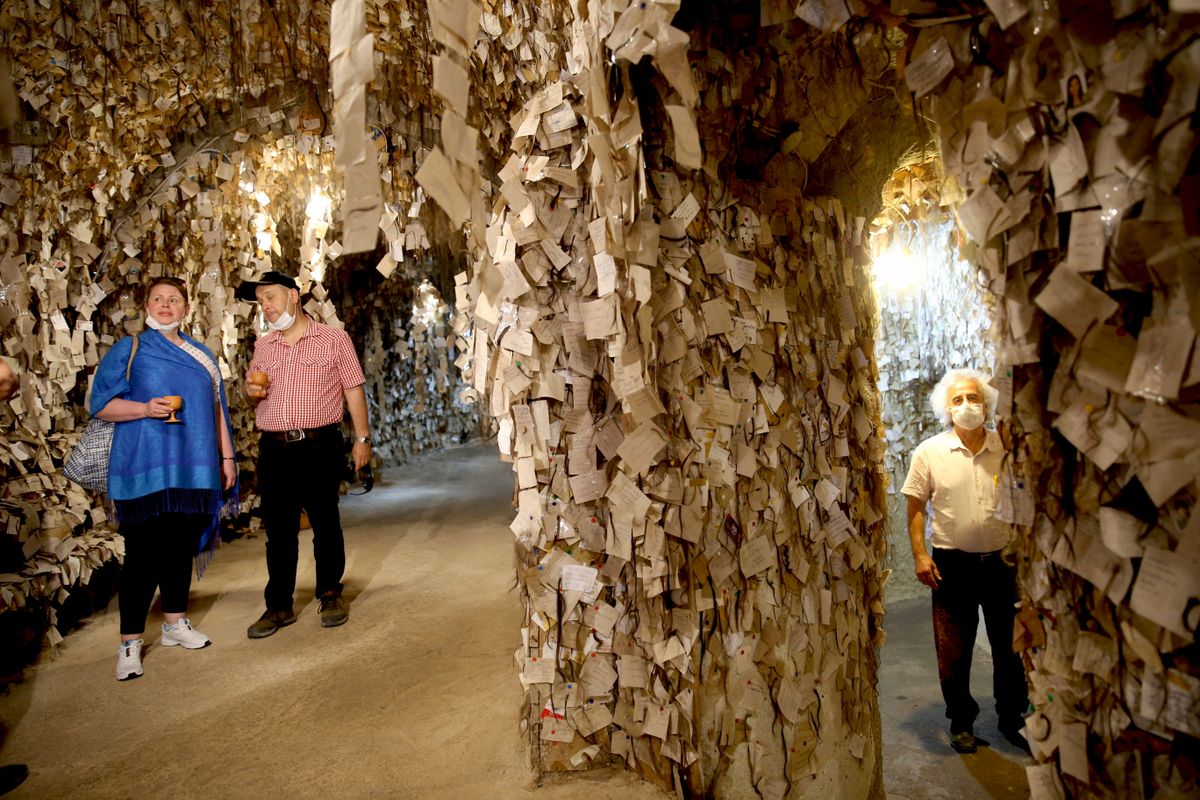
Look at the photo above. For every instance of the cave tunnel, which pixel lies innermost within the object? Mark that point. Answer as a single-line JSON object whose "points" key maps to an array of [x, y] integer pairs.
{"points": [[610, 331]]}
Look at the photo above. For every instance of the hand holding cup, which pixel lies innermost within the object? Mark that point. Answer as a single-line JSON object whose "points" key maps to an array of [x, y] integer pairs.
{"points": [[258, 384]]}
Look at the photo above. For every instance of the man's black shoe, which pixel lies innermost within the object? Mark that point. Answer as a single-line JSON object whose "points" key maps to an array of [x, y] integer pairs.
{"points": [[963, 742], [270, 622], [333, 610], [12, 776]]}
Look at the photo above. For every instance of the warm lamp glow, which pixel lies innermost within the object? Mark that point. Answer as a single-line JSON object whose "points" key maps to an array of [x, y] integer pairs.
{"points": [[428, 306], [897, 270], [318, 206]]}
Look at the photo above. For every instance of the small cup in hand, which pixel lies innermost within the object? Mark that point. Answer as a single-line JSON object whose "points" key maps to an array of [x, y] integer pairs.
{"points": [[176, 403], [257, 384]]}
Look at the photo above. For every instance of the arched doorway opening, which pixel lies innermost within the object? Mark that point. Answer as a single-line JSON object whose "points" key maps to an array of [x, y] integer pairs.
{"points": [[934, 315]]}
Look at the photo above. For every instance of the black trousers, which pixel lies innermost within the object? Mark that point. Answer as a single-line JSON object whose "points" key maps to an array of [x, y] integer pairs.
{"points": [[158, 555], [294, 476], [971, 581]]}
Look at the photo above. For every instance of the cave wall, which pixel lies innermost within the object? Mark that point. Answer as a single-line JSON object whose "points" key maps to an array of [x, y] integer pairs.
{"points": [[1077, 209], [1095, 343], [678, 354]]}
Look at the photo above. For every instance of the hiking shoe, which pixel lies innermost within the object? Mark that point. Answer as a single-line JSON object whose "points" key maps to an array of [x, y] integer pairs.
{"points": [[183, 634], [333, 610], [129, 660], [270, 622]]}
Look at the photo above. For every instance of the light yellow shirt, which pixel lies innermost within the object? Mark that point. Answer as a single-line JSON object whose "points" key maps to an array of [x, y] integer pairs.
{"points": [[961, 489]]}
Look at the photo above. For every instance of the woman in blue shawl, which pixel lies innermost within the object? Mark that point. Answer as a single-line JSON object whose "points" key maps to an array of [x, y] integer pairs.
{"points": [[167, 481]]}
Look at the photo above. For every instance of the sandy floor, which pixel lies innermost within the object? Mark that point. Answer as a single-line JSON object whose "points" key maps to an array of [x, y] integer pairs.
{"points": [[414, 698]]}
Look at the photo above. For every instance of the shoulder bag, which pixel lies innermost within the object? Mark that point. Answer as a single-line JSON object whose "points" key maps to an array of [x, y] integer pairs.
{"points": [[88, 463]]}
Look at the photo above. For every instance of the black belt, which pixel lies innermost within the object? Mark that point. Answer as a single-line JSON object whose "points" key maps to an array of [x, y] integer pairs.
{"points": [[300, 434], [964, 555]]}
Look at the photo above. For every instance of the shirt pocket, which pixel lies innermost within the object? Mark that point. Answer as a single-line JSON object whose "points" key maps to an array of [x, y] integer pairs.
{"points": [[989, 494], [316, 360]]}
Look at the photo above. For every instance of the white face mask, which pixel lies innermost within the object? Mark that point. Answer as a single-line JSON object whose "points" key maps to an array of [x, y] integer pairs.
{"points": [[285, 319], [968, 416], [155, 325]]}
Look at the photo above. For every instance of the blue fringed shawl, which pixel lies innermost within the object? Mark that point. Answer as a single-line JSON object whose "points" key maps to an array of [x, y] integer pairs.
{"points": [[156, 467]]}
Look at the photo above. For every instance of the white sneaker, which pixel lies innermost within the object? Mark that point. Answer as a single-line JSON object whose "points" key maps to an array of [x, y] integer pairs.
{"points": [[182, 633], [129, 660]]}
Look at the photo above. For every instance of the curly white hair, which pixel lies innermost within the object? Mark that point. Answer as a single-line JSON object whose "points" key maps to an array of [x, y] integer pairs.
{"points": [[940, 396]]}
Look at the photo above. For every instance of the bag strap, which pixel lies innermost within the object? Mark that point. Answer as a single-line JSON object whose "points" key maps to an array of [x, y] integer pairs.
{"points": [[132, 353]]}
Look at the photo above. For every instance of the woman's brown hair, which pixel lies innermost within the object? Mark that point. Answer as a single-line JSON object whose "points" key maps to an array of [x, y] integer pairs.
{"points": [[165, 280]]}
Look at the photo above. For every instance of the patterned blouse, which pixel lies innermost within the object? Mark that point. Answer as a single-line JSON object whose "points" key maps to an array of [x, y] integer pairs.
{"points": [[208, 364]]}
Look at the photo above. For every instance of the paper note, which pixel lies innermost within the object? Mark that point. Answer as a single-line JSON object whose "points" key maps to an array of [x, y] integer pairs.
{"points": [[1007, 11], [1074, 302], [757, 555], [1167, 591], [346, 24], [1044, 783], [687, 139], [578, 578], [1085, 248], [983, 215], [436, 177], [1162, 356], [640, 449], [929, 69], [451, 81], [355, 66]]}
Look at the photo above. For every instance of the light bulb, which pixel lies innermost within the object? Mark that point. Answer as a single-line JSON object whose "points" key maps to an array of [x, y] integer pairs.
{"points": [[318, 206]]}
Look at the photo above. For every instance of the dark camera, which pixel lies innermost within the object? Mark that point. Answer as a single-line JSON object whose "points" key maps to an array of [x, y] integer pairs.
{"points": [[356, 478], [364, 478]]}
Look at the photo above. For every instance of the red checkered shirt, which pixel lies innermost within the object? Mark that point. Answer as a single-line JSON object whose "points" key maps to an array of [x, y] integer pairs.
{"points": [[307, 379]]}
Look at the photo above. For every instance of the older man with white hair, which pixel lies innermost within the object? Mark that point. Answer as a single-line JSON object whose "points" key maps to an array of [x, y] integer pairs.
{"points": [[957, 473]]}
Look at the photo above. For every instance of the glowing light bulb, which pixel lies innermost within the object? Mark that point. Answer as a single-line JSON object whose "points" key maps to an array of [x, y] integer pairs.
{"points": [[318, 206], [897, 270]]}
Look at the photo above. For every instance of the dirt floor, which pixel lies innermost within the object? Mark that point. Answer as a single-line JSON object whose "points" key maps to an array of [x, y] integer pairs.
{"points": [[414, 698]]}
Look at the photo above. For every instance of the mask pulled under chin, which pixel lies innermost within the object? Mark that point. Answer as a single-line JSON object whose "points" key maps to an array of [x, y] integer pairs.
{"points": [[283, 323], [968, 416], [155, 325]]}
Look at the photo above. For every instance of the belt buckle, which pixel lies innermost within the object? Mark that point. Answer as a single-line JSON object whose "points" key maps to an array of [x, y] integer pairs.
{"points": [[294, 435]]}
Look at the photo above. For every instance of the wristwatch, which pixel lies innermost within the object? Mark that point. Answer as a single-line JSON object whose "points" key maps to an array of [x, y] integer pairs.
{"points": [[362, 439]]}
